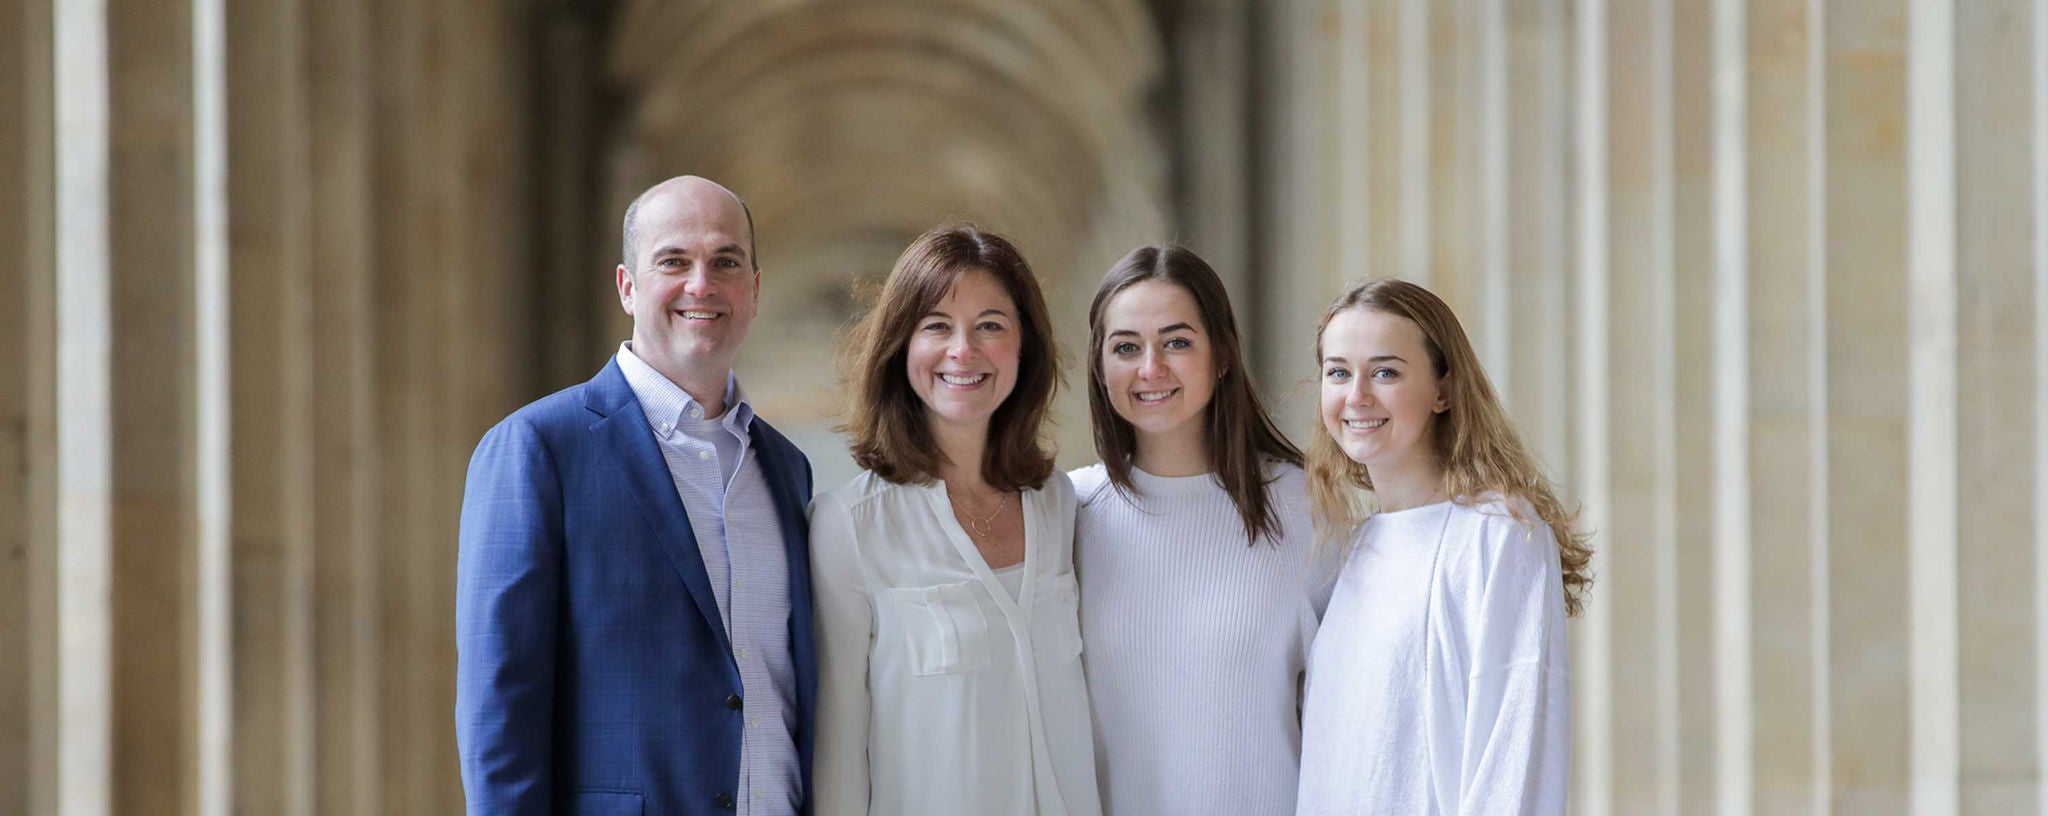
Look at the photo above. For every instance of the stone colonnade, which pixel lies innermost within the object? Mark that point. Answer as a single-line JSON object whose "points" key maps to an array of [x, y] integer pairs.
{"points": [[1764, 281], [265, 273]]}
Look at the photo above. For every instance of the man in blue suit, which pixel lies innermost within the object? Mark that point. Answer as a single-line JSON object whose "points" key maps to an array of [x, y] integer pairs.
{"points": [[633, 599]]}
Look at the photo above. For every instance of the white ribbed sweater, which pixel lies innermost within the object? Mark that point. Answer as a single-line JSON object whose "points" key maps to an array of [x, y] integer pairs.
{"points": [[1193, 643]]}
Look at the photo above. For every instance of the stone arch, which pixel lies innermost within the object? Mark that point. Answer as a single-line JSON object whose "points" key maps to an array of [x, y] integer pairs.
{"points": [[850, 128]]}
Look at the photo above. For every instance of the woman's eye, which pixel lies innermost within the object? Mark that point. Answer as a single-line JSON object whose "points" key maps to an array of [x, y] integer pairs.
{"points": [[991, 326], [1121, 349], [935, 327], [1385, 374], [1179, 343], [1337, 374]]}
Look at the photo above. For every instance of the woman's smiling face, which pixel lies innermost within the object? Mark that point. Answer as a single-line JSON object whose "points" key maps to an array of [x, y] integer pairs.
{"points": [[1157, 366], [1380, 392], [962, 357]]}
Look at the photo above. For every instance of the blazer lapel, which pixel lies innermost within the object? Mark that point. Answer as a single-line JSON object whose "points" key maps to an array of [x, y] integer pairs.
{"points": [[625, 429]]}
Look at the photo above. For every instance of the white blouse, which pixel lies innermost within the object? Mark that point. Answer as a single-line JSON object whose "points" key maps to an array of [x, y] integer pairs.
{"points": [[938, 693]]}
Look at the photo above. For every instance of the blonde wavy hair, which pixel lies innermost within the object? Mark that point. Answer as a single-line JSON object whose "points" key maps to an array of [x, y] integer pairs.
{"points": [[1478, 447]]}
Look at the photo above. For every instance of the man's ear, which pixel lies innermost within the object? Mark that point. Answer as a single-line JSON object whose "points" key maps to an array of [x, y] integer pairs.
{"points": [[757, 286], [625, 282]]}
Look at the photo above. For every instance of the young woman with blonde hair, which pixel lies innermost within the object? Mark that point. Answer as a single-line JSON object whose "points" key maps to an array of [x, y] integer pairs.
{"points": [[1439, 681], [950, 677]]}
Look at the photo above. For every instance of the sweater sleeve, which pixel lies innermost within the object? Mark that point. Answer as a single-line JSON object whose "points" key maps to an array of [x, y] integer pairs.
{"points": [[1517, 713], [845, 626]]}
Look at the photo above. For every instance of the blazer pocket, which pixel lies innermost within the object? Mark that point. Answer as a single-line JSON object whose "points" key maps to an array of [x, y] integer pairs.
{"points": [[943, 627], [604, 803], [1056, 616]]}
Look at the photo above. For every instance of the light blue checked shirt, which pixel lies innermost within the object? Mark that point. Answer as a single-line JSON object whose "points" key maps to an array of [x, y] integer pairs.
{"points": [[733, 517]]}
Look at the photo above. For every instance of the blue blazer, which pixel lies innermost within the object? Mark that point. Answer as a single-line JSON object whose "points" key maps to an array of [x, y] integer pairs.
{"points": [[593, 674]]}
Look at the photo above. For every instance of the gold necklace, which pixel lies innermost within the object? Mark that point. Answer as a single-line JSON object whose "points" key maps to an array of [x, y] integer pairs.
{"points": [[981, 527]]}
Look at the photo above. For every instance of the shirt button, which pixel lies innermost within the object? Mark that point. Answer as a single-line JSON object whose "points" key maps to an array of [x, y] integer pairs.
{"points": [[666, 427], [734, 702], [696, 412], [704, 454], [723, 800], [743, 653]]}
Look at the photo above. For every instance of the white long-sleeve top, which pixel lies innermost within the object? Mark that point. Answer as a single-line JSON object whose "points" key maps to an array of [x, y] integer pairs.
{"points": [[1438, 683], [1196, 641], [939, 692]]}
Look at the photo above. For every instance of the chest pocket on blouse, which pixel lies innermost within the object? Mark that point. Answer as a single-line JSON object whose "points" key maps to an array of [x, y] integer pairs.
{"points": [[1056, 620], [943, 627]]}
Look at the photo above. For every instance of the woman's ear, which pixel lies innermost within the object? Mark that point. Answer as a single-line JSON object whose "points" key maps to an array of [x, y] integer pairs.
{"points": [[1443, 394]]}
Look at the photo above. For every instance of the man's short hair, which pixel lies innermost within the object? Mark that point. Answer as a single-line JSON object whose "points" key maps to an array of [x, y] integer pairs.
{"points": [[629, 233]]}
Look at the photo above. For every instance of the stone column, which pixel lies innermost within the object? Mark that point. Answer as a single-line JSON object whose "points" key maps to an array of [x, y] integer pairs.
{"points": [[1865, 308], [1997, 475], [28, 573], [274, 431], [1455, 235], [1639, 581], [1592, 634], [1786, 448], [349, 646], [1690, 408], [1538, 322], [1212, 81]]}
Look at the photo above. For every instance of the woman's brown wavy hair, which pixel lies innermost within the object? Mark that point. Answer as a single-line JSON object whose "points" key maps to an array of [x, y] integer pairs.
{"points": [[886, 420], [1478, 447], [1241, 436]]}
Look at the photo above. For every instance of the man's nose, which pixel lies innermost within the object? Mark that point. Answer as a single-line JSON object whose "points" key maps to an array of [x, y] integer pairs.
{"points": [[697, 283]]}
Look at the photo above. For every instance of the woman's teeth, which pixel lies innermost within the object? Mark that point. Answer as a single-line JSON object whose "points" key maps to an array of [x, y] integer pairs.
{"points": [[1155, 396], [1364, 424], [958, 380]]}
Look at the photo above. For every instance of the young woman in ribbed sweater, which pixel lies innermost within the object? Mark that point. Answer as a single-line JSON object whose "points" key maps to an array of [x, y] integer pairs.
{"points": [[1199, 591], [1439, 681]]}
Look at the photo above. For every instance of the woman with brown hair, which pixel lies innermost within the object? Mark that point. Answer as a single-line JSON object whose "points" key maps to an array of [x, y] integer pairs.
{"points": [[1199, 590], [1439, 682], [949, 647]]}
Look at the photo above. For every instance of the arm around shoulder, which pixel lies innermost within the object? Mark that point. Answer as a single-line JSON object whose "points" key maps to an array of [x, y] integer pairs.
{"points": [[507, 571]]}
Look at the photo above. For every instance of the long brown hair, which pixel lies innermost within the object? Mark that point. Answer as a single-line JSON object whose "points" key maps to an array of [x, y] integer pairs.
{"points": [[1478, 447], [1238, 431], [886, 420]]}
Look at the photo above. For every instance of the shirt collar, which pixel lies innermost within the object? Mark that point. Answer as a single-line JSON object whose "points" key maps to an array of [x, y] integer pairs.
{"points": [[667, 405]]}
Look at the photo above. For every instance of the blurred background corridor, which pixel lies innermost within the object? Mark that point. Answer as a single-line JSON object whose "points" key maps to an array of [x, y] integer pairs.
{"points": [[1765, 282]]}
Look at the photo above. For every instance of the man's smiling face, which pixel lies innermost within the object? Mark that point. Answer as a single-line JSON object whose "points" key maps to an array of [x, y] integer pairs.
{"points": [[693, 288]]}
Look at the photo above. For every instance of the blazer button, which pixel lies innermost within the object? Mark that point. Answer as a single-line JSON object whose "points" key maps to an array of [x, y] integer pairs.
{"points": [[723, 800], [733, 702]]}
